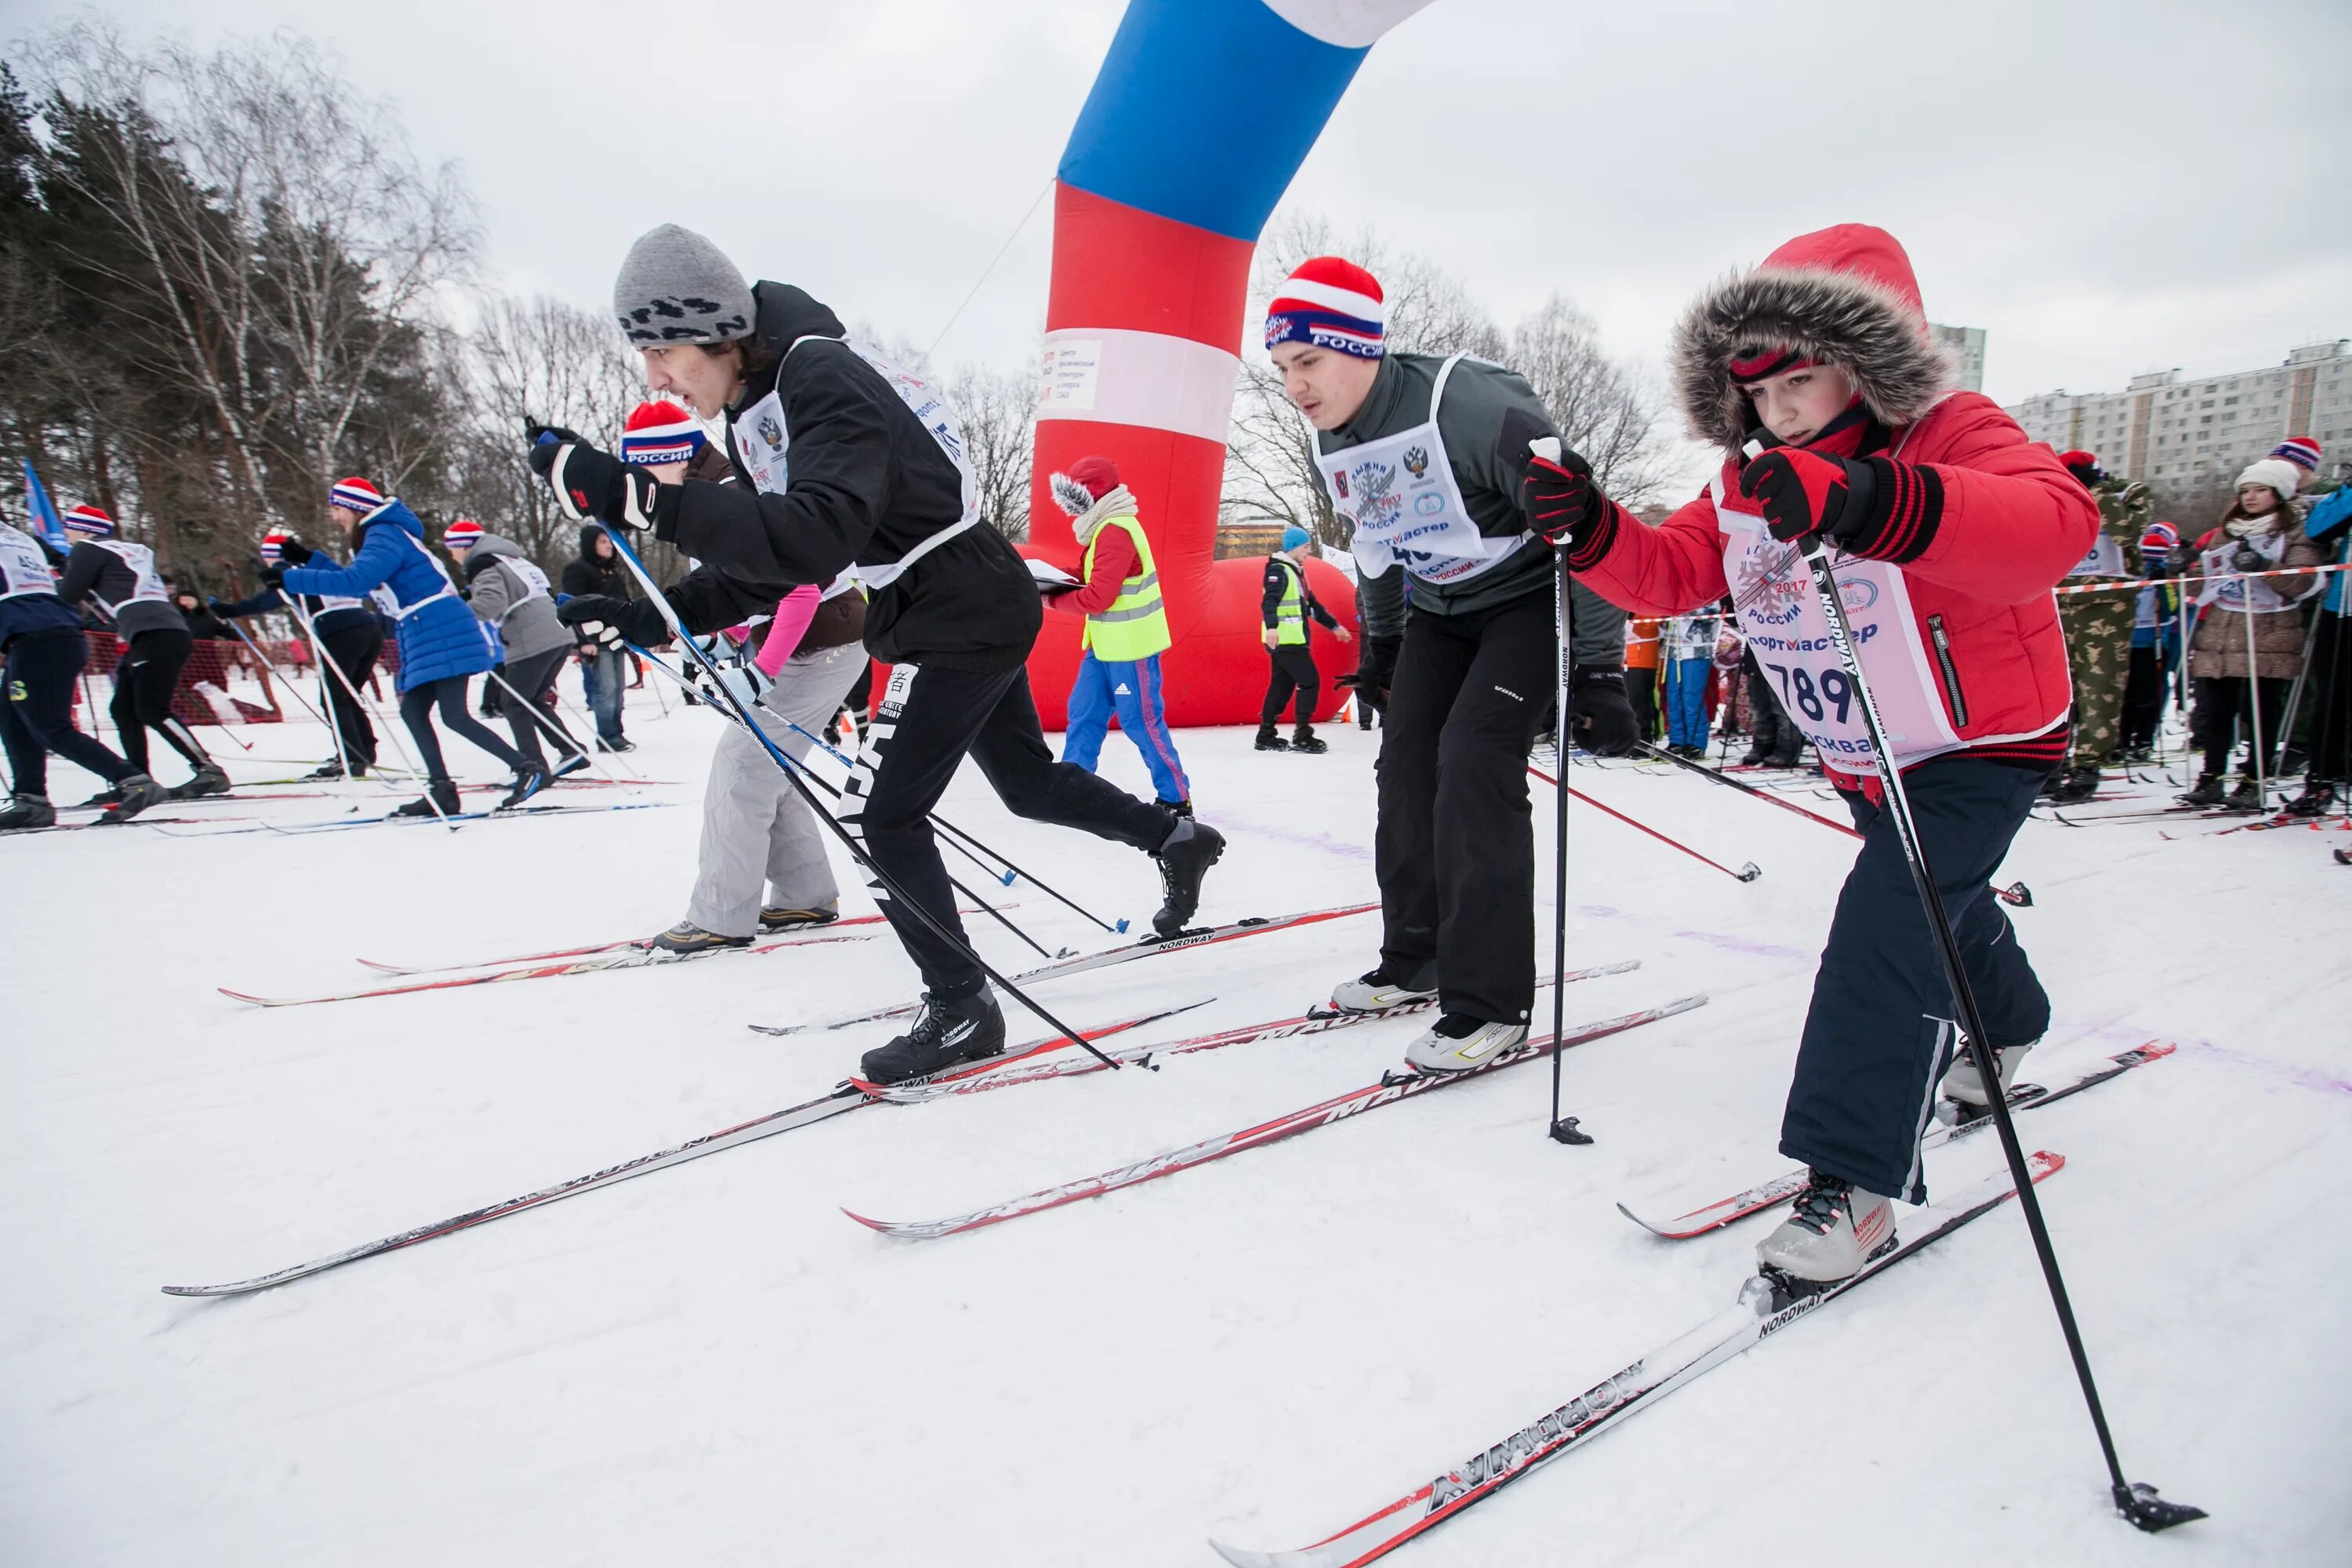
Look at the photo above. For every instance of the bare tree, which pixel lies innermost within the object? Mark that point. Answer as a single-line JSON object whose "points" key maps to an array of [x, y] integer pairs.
{"points": [[996, 410], [1601, 408]]}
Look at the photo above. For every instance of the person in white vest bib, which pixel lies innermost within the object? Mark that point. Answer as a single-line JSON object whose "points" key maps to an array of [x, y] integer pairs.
{"points": [[42, 643], [121, 579], [506, 589], [850, 466]]}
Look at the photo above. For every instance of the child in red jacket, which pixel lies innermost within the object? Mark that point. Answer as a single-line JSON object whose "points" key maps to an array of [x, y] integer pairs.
{"points": [[1834, 407]]}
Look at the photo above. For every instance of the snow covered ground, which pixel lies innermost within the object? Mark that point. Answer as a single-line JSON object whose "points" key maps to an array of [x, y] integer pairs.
{"points": [[712, 1365]]}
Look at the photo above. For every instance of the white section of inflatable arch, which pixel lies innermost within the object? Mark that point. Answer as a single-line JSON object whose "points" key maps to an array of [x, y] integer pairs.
{"points": [[1347, 24], [1147, 379]]}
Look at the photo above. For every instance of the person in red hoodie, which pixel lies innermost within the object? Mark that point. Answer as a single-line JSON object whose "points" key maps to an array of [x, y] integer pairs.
{"points": [[1817, 375]]}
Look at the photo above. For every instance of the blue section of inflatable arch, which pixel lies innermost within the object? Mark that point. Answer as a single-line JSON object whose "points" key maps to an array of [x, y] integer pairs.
{"points": [[1203, 111]]}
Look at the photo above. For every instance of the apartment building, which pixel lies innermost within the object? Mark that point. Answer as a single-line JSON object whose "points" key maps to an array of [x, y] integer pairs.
{"points": [[2168, 427]]}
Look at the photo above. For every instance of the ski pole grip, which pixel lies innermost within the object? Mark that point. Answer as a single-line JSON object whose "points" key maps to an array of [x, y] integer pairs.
{"points": [[1547, 447]]}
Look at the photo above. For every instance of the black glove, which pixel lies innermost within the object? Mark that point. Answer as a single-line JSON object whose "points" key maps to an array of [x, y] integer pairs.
{"points": [[1601, 718], [608, 623], [591, 485], [218, 607], [293, 551], [1375, 667], [2246, 558], [273, 577]]}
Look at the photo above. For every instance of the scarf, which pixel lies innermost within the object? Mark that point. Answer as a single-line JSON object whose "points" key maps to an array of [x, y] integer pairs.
{"points": [[1116, 501]]}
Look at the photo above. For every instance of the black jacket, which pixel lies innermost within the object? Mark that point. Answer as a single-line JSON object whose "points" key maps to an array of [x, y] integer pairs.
{"points": [[584, 573], [1279, 571], [868, 484]]}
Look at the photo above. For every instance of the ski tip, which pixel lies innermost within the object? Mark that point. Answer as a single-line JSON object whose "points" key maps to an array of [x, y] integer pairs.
{"points": [[242, 996], [1241, 1557], [775, 1028], [1645, 1224], [883, 1227]]}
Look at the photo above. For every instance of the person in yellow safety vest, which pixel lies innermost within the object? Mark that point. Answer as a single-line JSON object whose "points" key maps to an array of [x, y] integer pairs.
{"points": [[1284, 609], [1126, 630]]}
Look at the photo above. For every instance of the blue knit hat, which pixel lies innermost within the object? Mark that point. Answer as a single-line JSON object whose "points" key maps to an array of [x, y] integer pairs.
{"points": [[1294, 536]]}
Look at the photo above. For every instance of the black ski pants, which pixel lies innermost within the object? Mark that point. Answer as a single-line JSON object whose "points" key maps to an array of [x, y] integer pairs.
{"points": [[37, 717], [1771, 731], [928, 721], [144, 684], [353, 649], [1294, 671], [2143, 695], [416, 705], [2221, 700], [1882, 1027], [2331, 712], [1454, 847], [534, 679], [1641, 692]]}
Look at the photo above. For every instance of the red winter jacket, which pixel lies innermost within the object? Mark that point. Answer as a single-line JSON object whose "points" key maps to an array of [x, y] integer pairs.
{"points": [[2014, 522]]}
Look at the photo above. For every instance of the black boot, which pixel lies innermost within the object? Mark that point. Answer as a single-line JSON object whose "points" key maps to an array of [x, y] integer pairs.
{"points": [[2206, 792], [964, 1029], [2074, 784], [2317, 795], [333, 768], [1184, 856], [440, 793], [527, 783], [2247, 797], [138, 793], [1267, 741], [28, 811], [1303, 740], [208, 779]]}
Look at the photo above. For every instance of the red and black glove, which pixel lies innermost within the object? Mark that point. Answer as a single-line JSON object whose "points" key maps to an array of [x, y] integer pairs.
{"points": [[1873, 507], [1558, 497]]}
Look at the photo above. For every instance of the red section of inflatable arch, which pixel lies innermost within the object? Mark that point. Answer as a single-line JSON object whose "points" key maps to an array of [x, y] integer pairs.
{"points": [[1118, 268]]}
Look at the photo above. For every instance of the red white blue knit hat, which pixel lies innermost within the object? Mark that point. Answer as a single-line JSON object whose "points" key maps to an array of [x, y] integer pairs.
{"points": [[463, 533], [87, 519], [2161, 536], [2301, 450], [1331, 303], [355, 495], [661, 432], [273, 544]]}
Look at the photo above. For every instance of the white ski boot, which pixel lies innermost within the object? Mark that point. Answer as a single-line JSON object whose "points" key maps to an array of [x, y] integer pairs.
{"points": [[1833, 1230], [1965, 1084], [1457, 1043], [1377, 990]]}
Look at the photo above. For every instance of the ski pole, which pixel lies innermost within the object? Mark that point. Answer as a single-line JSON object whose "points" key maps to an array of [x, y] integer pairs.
{"points": [[334, 732], [1559, 1129], [2137, 1502], [1648, 749], [939, 927], [555, 732], [319, 652], [1011, 869], [984, 906], [1746, 873]]}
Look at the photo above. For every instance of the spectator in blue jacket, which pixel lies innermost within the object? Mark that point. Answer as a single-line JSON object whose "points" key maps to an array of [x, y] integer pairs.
{"points": [[442, 645], [2328, 525]]}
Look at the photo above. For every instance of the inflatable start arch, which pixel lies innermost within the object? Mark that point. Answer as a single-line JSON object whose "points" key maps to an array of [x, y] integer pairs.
{"points": [[1202, 114]]}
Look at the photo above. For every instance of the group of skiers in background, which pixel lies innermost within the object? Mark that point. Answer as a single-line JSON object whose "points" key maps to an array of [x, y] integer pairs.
{"points": [[1480, 540]]}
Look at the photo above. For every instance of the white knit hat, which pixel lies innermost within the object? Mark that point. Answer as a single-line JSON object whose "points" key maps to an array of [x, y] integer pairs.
{"points": [[2276, 472]]}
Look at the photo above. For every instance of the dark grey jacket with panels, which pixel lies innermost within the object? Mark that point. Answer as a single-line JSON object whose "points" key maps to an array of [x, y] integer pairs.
{"points": [[1470, 421]]}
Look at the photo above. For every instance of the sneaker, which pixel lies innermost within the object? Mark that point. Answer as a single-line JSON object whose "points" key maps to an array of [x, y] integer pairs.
{"points": [[1456, 1043], [2247, 797], [136, 793], [2317, 795], [686, 937], [964, 1029], [774, 917], [207, 780], [438, 793], [1303, 740], [1267, 741], [527, 783], [1834, 1229], [2073, 784], [1965, 1084], [2206, 792], [617, 744], [1184, 856], [574, 764], [1377, 990], [333, 768], [28, 811]]}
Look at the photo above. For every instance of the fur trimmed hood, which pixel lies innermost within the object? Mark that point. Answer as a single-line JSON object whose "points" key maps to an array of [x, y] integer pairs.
{"points": [[1843, 296]]}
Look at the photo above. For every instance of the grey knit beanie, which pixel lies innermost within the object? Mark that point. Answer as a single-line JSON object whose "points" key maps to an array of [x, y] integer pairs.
{"points": [[676, 286]]}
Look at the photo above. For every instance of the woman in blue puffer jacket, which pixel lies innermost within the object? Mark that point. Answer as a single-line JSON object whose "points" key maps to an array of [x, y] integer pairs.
{"points": [[442, 645]]}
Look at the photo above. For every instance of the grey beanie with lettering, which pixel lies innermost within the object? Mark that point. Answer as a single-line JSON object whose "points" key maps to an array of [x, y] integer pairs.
{"points": [[676, 286]]}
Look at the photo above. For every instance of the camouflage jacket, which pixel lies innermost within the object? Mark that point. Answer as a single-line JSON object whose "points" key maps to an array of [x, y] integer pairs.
{"points": [[2124, 512]]}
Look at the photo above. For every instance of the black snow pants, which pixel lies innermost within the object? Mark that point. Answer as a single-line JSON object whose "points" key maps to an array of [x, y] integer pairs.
{"points": [[1882, 1027], [417, 710], [353, 649], [1454, 847], [37, 718], [929, 720], [1293, 670], [144, 684], [534, 679]]}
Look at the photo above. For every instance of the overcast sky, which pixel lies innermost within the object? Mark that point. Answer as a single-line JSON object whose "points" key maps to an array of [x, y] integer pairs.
{"points": [[2106, 188]]}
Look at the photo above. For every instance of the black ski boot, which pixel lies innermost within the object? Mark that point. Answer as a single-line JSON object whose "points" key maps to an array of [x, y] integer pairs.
{"points": [[326, 772], [440, 793], [527, 783], [2074, 784], [775, 917], [1184, 856], [2247, 797], [207, 780], [111, 795], [686, 938], [28, 811], [137, 793], [1267, 741], [2206, 792], [571, 764], [2317, 795], [964, 1029], [1303, 740]]}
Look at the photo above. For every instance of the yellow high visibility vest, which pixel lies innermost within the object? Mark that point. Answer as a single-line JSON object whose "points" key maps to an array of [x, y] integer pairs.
{"points": [[1136, 625], [1290, 611]]}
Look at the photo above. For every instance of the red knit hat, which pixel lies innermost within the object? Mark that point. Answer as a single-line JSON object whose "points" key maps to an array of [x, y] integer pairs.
{"points": [[1331, 304], [463, 533], [2083, 466], [273, 544], [1087, 481], [2301, 450], [660, 432], [354, 495], [85, 518]]}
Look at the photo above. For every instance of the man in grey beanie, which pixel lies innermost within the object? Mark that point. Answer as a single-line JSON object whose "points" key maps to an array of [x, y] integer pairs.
{"points": [[878, 492]]}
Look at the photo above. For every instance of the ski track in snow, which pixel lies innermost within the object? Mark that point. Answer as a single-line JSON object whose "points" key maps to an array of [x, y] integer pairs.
{"points": [[712, 1364]]}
